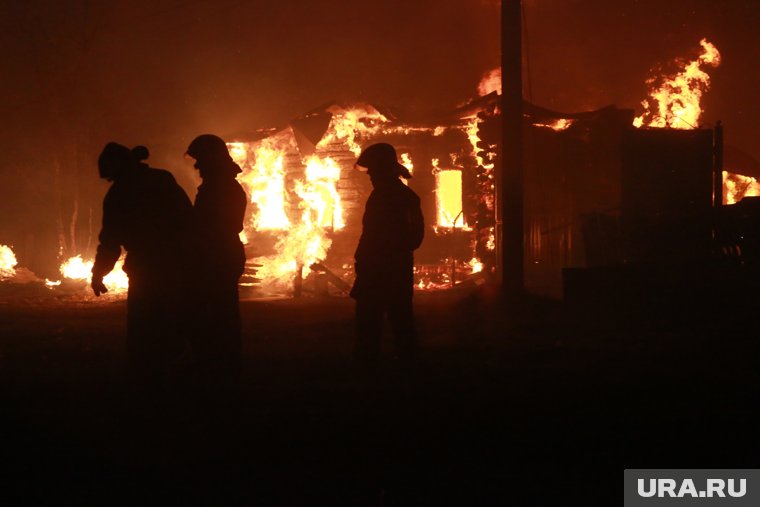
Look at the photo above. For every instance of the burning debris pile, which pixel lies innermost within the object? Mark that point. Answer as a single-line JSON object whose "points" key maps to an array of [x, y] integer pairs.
{"points": [[76, 275]]}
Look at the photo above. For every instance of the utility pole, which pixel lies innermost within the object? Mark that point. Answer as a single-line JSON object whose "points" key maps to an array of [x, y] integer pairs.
{"points": [[509, 210]]}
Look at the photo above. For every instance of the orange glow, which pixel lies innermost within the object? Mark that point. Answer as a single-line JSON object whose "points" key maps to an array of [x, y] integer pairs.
{"points": [[75, 268], [471, 129], [476, 265], [448, 196], [7, 262], [319, 195], [263, 177], [491, 82], [675, 101], [305, 242], [736, 187], [406, 161], [349, 126]]}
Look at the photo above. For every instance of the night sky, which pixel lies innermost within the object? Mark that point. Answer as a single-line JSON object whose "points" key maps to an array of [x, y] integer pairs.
{"points": [[78, 74]]}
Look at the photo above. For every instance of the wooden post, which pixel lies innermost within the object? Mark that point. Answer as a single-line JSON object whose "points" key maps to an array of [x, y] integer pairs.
{"points": [[718, 166], [509, 199]]}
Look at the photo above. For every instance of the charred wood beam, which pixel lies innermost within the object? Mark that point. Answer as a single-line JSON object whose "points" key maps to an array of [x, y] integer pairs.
{"points": [[331, 277]]}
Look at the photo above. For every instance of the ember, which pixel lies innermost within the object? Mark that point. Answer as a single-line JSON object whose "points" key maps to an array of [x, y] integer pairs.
{"points": [[557, 125]]}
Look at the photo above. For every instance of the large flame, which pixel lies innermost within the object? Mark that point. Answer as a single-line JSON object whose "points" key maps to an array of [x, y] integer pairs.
{"points": [[264, 179], [301, 240], [302, 213], [675, 101], [307, 242], [301, 207], [76, 268], [7, 262], [320, 198]]}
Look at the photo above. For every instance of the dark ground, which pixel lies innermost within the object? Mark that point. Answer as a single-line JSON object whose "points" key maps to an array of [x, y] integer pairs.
{"points": [[507, 406]]}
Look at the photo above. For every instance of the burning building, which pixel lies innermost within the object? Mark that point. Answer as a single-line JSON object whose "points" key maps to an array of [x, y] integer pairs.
{"points": [[307, 198], [589, 187]]}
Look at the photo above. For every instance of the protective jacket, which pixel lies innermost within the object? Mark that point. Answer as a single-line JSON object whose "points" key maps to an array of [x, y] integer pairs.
{"points": [[148, 214], [392, 228], [218, 215]]}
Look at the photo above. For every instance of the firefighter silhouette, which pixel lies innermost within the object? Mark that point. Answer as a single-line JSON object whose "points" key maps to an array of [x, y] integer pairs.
{"points": [[218, 216], [147, 213], [392, 228]]}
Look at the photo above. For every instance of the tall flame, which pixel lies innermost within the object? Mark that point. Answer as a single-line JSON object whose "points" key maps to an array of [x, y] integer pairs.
{"points": [[320, 199], [7, 262], [303, 241], [472, 129], [265, 181], [406, 160], [675, 101]]}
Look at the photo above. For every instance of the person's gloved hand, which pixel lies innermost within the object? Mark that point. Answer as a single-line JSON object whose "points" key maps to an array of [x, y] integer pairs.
{"points": [[98, 287]]}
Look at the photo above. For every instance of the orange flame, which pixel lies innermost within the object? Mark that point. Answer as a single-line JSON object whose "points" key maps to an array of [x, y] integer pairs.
{"points": [[305, 241], [320, 199], [406, 160], [263, 178], [736, 187], [675, 103], [7, 262], [448, 194], [476, 265], [557, 125], [472, 131], [76, 268], [491, 244]]}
